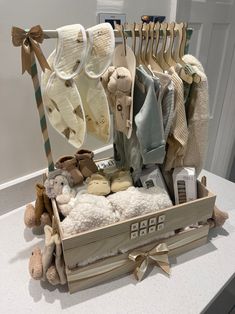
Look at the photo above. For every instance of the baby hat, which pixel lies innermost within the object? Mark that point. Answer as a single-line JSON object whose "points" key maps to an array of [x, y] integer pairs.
{"points": [[70, 51], [101, 43]]}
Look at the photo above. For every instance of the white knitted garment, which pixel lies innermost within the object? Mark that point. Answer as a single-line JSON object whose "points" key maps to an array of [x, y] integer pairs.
{"points": [[198, 119], [101, 43], [139, 201], [70, 51], [89, 212]]}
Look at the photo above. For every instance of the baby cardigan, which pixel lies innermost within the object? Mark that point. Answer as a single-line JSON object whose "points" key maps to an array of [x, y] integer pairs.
{"points": [[178, 137]]}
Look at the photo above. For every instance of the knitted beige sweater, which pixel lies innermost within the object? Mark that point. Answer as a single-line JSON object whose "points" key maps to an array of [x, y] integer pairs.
{"points": [[178, 137], [198, 118]]}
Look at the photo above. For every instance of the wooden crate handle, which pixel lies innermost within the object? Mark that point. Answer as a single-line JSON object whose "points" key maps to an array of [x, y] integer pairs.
{"points": [[204, 181]]}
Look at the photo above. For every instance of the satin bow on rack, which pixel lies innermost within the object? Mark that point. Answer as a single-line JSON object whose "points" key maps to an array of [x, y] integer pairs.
{"points": [[158, 254], [29, 42]]}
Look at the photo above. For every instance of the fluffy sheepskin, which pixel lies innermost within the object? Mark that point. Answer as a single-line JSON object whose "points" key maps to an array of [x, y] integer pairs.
{"points": [[139, 201]]}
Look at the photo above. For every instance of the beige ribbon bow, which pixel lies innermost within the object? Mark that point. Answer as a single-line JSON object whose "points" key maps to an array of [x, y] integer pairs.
{"points": [[29, 42], [159, 254]]}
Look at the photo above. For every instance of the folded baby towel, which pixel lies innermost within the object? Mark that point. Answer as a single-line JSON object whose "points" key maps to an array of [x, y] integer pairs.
{"points": [[139, 201]]}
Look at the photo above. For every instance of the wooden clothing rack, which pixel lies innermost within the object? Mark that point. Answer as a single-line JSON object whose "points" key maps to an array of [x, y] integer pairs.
{"points": [[123, 32]]}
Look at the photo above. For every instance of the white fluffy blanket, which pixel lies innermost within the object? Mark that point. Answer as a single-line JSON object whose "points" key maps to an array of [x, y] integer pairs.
{"points": [[139, 201], [89, 212]]}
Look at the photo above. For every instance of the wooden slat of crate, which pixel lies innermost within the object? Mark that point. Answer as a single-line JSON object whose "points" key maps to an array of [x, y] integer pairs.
{"points": [[177, 244]]}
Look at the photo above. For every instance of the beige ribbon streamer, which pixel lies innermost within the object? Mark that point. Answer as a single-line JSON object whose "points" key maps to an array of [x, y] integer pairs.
{"points": [[158, 254], [29, 41]]}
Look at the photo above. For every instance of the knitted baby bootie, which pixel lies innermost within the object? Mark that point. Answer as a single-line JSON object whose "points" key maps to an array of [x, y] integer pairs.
{"points": [[121, 180], [85, 162], [98, 184], [69, 163], [35, 264], [29, 216]]}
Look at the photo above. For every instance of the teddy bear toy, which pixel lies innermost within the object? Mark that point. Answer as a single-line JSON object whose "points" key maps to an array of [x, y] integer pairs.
{"points": [[117, 83]]}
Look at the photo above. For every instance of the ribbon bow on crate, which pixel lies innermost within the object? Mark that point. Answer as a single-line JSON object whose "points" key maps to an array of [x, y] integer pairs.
{"points": [[158, 254]]}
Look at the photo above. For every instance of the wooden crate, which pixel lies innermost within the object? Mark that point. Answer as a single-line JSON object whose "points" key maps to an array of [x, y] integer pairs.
{"points": [[120, 238]]}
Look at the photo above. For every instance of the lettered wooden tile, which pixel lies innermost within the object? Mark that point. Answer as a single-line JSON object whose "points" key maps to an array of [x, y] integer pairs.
{"points": [[135, 226], [160, 226], [143, 223], [152, 221], [134, 234], [152, 229], [161, 218], [143, 232]]}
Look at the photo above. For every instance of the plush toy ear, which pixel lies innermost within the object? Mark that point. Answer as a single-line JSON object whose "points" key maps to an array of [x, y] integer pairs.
{"points": [[87, 180], [112, 84], [106, 76]]}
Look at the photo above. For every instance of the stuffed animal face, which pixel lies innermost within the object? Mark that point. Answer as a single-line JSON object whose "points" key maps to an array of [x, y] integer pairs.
{"points": [[120, 81], [59, 183], [54, 187]]}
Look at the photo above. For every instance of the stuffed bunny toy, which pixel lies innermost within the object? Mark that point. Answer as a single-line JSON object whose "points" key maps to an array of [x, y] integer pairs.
{"points": [[59, 186]]}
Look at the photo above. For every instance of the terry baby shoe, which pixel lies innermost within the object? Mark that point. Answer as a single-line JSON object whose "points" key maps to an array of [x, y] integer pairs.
{"points": [[69, 163], [101, 43], [85, 162], [120, 181], [70, 51], [98, 184]]}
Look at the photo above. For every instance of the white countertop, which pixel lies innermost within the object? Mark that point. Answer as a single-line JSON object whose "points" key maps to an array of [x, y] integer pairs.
{"points": [[197, 276]]}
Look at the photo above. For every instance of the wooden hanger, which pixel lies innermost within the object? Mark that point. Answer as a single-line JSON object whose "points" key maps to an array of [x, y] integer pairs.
{"points": [[139, 51], [185, 76], [150, 60], [160, 55], [188, 68], [168, 54], [146, 43], [133, 37]]}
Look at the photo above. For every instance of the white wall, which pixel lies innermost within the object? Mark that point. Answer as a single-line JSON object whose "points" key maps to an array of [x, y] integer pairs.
{"points": [[21, 144]]}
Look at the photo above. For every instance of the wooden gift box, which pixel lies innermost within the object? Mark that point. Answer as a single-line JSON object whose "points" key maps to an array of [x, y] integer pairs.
{"points": [[80, 247]]}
